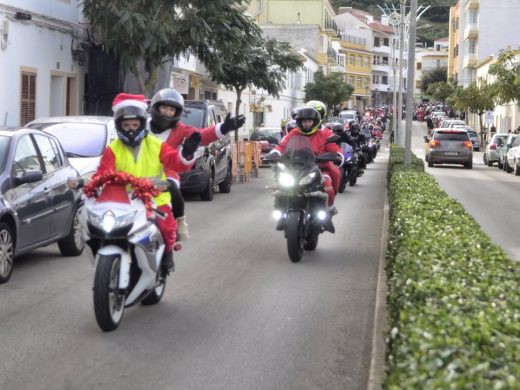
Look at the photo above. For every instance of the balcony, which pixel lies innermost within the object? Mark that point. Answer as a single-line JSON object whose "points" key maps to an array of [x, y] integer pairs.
{"points": [[381, 67], [332, 57], [382, 49], [470, 61], [471, 4], [471, 31]]}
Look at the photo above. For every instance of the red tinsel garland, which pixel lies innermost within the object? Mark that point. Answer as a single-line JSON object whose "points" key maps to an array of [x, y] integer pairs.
{"points": [[143, 188]]}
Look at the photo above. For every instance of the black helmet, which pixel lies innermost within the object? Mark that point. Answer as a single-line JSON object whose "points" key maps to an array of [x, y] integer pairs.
{"points": [[294, 112], [308, 113], [291, 125], [354, 127], [337, 128], [165, 97], [131, 138]]}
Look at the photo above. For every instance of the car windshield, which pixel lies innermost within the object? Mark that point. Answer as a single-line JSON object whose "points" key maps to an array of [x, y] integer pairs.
{"points": [[80, 139], [472, 134], [193, 116], [264, 134], [4, 146], [450, 136]]}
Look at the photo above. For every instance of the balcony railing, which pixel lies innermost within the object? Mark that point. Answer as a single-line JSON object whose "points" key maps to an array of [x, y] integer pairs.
{"points": [[354, 40], [471, 31], [332, 56]]}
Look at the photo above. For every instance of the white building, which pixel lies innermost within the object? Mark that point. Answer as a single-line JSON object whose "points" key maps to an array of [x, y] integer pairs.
{"points": [[480, 28], [426, 60], [41, 63]]}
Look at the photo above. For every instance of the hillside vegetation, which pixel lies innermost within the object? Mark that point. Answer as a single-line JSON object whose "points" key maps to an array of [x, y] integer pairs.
{"points": [[437, 15]]}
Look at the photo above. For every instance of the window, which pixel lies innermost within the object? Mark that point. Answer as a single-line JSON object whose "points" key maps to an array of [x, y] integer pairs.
{"points": [[51, 160], [352, 59], [351, 80], [26, 156], [385, 60], [28, 98], [386, 42], [438, 64], [367, 61], [365, 82], [360, 61], [419, 65], [341, 60], [384, 80], [376, 42], [375, 79], [358, 82]]}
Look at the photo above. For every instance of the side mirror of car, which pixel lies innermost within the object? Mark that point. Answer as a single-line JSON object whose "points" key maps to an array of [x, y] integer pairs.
{"points": [[75, 183], [29, 176]]}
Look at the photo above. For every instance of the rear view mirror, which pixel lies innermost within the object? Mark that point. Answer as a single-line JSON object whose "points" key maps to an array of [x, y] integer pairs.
{"points": [[273, 140], [29, 176], [333, 139]]}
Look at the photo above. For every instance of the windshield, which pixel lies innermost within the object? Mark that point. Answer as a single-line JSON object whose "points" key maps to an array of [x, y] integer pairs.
{"points": [[193, 116], [4, 147], [450, 136], [299, 153], [81, 139]]}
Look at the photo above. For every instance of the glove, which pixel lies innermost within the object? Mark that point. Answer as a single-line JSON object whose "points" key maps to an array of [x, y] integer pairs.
{"points": [[190, 145], [232, 123]]}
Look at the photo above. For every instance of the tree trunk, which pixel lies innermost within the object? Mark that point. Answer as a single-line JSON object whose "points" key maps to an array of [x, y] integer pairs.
{"points": [[152, 78], [237, 107], [140, 79]]}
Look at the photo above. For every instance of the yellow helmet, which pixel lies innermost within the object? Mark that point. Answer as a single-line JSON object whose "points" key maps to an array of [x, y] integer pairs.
{"points": [[319, 106]]}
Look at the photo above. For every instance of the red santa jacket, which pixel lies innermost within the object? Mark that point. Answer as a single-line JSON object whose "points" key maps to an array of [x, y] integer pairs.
{"points": [[181, 131], [317, 139]]}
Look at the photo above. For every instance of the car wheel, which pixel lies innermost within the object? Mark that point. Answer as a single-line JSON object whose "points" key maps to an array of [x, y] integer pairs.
{"points": [[517, 168], [207, 194], [507, 167], [225, 186], [500, 164], [6, 252], [430, 163], [468, 165], [484, 158], [73, 243]]}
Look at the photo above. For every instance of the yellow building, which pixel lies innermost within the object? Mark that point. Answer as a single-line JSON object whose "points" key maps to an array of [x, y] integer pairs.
{"points": [[357, 62], [453, 47], [302, 12]]}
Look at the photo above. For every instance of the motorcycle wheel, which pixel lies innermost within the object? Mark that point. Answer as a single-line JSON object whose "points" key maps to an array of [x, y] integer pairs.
{"points": [[156, 295], [109, 304], [353, 178], [342, 180], [294, 236], [312, 242]]}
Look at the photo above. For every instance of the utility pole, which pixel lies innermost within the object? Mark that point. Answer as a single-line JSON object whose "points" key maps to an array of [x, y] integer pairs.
{"points": [[410, 86], [398, 117]]}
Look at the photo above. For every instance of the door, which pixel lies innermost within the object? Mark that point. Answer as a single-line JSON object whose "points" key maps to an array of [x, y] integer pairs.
{"points": [[31, 201], [55, 175]]}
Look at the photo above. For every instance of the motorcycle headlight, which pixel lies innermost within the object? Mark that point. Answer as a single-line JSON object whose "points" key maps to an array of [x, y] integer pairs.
{"points": [[286, 180], [108, 221], [307, 179]]}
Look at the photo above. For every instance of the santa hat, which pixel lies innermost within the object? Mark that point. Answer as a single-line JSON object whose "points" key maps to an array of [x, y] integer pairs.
{"points": [[128, 100]]}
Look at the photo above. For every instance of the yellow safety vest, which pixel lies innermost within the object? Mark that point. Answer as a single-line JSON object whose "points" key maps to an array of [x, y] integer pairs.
{"points": [[148, 163]]}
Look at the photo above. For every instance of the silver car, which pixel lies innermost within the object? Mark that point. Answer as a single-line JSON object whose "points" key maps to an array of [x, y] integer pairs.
{"points": [[449, 146], [492, 148]]}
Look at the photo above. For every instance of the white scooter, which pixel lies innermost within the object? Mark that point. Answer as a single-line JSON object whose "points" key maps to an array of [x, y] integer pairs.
{"points": [[126, 249]]}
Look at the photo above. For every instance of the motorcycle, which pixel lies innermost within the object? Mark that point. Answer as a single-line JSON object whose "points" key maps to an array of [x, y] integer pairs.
{"points": [[349, 171], [125, 247], [300, 201]]}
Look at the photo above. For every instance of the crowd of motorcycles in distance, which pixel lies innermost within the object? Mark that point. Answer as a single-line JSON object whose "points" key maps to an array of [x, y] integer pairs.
{"points": [[300, 203]]}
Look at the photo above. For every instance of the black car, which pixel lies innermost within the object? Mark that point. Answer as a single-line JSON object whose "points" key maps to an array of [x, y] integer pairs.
{"points": [[214, 167], [37, 207]]}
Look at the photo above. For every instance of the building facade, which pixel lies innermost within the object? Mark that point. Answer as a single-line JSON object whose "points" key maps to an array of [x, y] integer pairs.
{"points": [[42, 60], [427, 60]]}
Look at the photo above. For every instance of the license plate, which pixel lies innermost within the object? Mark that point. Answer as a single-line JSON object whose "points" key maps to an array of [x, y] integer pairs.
{"points": [[451, 154]]}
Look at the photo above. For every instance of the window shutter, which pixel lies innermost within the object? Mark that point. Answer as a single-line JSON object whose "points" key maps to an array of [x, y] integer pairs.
{"points": [[28, 98]]}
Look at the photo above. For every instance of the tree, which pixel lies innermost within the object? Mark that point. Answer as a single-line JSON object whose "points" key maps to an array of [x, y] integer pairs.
{"points": [[331, 89], [441, 90], [507, 77], [433, 76], [477, 99], [256, 62], [156, 31]]}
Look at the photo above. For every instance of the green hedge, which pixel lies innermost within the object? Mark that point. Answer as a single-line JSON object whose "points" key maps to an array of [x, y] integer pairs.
{"points": [[453, 301]]}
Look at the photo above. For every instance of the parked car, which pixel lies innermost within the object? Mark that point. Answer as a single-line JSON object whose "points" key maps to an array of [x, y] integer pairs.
{"points": [[473, 136], [84, 138], [214, 167], [449, 123], [37, 207], [348, 115], [491, 152], [449, 146], [261, 135], [502, 151], [513, 157]]}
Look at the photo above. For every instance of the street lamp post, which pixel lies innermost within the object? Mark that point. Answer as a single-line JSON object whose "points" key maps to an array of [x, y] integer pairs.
{"points": [[410, 85]]}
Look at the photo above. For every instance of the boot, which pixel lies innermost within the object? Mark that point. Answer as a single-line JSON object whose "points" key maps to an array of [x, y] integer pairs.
{"points": [[182, 229], [328, 225], [167, 262]]}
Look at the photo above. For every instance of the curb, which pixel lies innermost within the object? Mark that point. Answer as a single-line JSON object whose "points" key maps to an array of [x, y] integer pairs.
{"points": [[376, 373]]}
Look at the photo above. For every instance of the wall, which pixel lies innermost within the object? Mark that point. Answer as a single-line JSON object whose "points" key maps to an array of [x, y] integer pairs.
{"points": [[39, 47]]}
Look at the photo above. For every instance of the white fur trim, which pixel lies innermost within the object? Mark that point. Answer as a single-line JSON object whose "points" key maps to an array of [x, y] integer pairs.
{"points": [[217, 130], [185, 161], [176, 181], [129, 103]]}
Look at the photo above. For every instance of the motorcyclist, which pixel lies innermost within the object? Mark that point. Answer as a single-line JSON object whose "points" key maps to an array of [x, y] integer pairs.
{"points": [[166, 110], [320, 107], [308, 124], [141, 155]]}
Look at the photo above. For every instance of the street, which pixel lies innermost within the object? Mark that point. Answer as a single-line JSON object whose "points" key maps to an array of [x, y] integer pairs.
{"points": [[237, 314], [487, 193]]}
